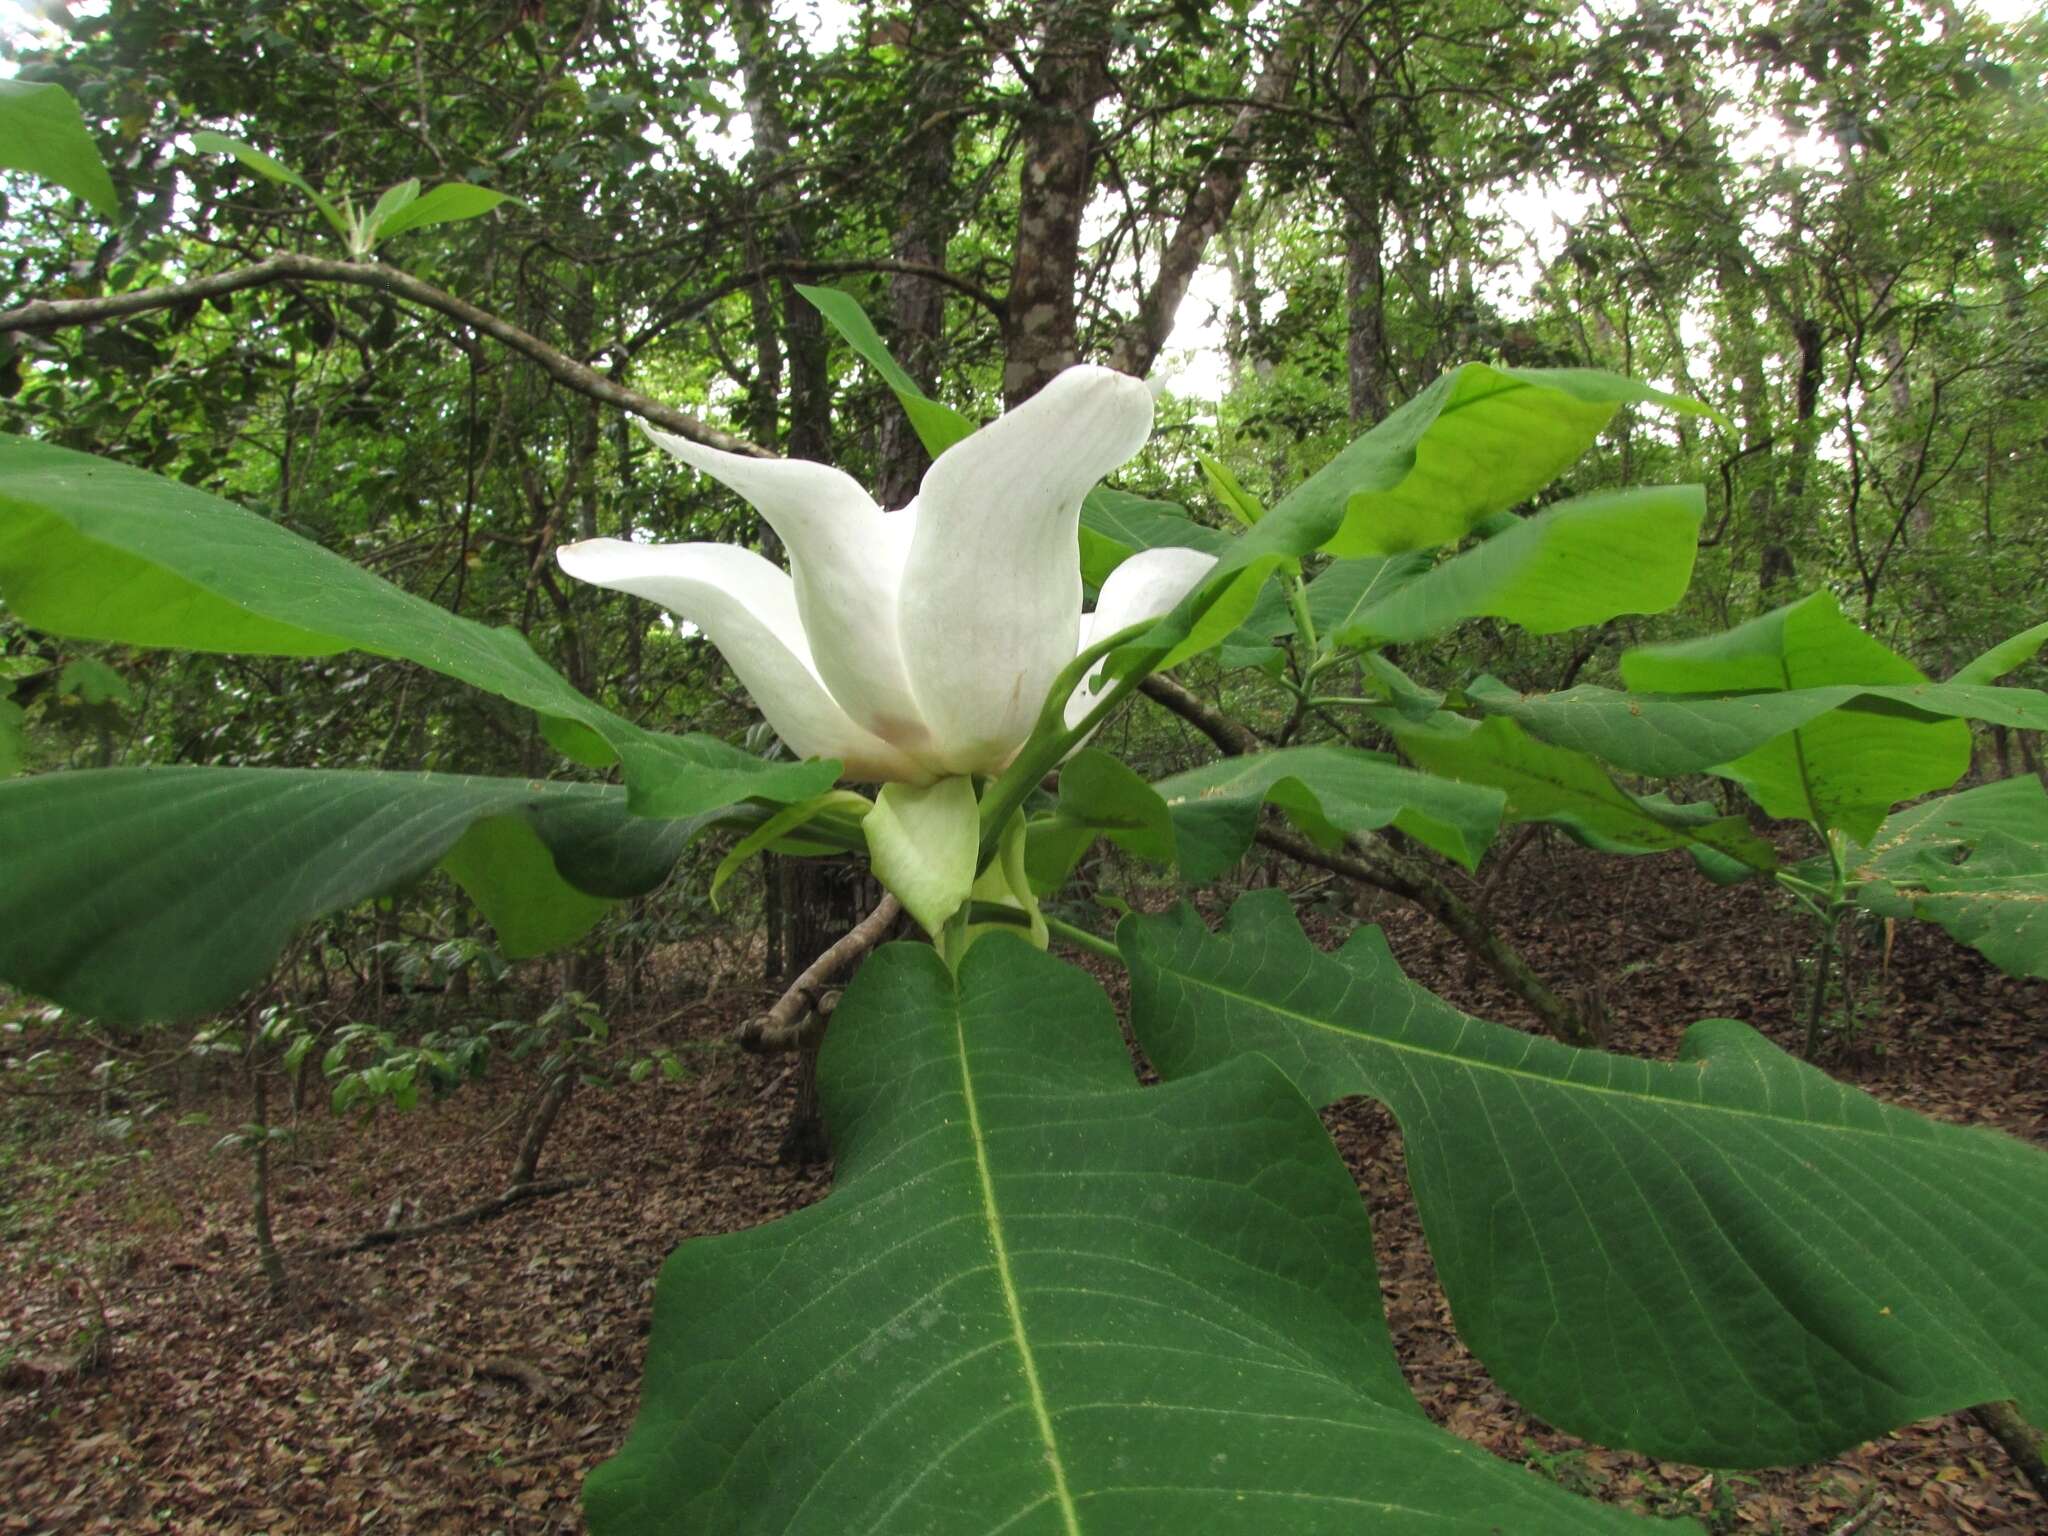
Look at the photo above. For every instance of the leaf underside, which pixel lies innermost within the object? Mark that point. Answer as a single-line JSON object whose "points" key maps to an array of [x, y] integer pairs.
{"points": [[1041, 1299], [151, 893], [1729, 1259]]}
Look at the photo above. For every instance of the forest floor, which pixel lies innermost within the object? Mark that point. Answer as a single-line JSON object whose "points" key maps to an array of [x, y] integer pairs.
{"points": [[463, 1384]]}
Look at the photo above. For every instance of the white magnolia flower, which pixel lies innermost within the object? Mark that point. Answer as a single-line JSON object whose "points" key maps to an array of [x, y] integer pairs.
{"points": [[916, 644]]}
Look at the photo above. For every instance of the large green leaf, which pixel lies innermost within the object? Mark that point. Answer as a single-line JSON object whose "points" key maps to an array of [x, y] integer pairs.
{"points": [[99, 551], [1975, 862], [449, 203], [1727, 1259], [1338, 594], [1044, 1301], [1477, 441], [1117, 524], [1327, 792], [937, 426], [1568, 788], [1844, 769], [42, 133], [148, 893], [1665, 734], [1099, 797], [1583, 561], [2003, 657]]}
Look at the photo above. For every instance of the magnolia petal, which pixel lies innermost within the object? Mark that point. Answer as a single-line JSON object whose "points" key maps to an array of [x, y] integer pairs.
{"points": [[991, 593], [923, 844], [1145, 586], [846, 557], [746, 608]]}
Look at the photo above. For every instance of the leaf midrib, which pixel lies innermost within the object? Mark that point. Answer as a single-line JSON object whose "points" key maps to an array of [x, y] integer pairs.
{"points": [[992, 1215], [1561, 1085]]}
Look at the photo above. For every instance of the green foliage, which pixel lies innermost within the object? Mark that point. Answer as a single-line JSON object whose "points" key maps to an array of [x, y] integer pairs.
{"points": [[98, 551], [398, 209], [1976, 863], [1727, 1259], [1476, 442], [1572, 790], [119, 902], [1327, 792], [1046, 1298], [1667, 734], [41, 133], [938, 426], [1116, 524], [1847, 768], [1582, 562]]}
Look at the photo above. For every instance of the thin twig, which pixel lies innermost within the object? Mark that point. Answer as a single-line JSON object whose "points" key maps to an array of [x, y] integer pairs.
{"points": [[61, 314], [468, 1216], [1867, 1512], [794, 1022]]}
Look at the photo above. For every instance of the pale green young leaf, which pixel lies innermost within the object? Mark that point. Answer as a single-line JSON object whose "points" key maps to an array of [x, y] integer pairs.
{"points": [[2003, 657], [923, 843], [449, 203], [1237, 501], [790, 819], [938, 426], [389, 206], [1478, 441], [1583, 561], [274, 169], [42, 133]]}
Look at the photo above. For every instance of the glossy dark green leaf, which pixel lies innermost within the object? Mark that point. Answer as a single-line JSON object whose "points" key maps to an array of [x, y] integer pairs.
{"points": [[1044, 1301], [1728, 1259]]}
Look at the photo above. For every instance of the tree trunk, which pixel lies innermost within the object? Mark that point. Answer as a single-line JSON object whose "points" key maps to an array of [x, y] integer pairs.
{"points": [[1071, 79], [1775, 568], [1208, 207], [926, 220], [1365, 271], [259, 1202], [837, 895], [539, 1123]]}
